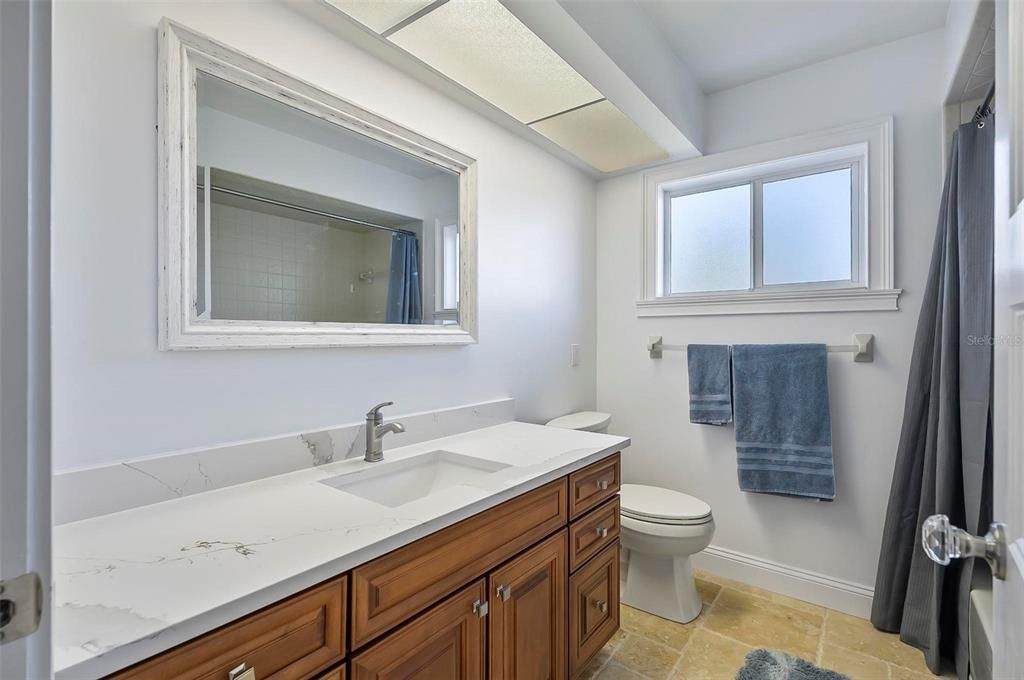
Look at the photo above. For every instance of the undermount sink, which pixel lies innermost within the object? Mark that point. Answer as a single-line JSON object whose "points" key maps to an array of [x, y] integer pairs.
{"points": [[395, 483]]}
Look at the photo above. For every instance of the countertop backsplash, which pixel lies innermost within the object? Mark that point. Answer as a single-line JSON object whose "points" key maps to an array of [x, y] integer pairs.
{"points": [[90, 492]]}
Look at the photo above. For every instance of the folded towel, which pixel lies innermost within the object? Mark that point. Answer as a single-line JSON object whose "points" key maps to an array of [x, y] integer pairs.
{"points": [[710, 384], [783, 426]]}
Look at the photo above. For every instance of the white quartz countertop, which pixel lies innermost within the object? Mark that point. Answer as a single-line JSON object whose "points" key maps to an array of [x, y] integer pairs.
{"points": [[135, 583]]}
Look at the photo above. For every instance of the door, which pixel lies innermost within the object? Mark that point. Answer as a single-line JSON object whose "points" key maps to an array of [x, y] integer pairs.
{"points": [[449, 641], [1008, 463], [24, 338], [527, 619]]}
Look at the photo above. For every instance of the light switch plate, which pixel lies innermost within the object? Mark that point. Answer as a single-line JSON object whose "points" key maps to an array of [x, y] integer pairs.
{"points": [[574, 355]]}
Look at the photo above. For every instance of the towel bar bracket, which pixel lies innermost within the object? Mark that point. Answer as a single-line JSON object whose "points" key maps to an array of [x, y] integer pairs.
{"points": [[863, 347]]}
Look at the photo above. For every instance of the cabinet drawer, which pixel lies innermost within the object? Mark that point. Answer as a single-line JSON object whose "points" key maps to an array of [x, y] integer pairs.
{"points": [[593, 485], [447, 642], [592, 532], [593, 607], [291, 640], [394, 587]]}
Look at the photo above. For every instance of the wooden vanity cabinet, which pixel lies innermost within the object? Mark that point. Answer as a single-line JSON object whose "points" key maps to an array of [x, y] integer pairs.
{"points": [[527, 590]]}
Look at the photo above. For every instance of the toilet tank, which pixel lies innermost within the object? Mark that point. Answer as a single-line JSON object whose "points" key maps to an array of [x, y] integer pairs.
{"points": [[588, 421]]}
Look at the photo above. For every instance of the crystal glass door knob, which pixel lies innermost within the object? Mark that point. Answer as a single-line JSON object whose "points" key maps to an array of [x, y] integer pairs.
{"points": [[938, 539], [943, 542]]}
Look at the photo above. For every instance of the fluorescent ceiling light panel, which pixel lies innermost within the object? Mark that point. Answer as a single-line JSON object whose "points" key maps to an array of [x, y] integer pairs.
{"points": [[602, 136], [486, 49], [380, 15]]}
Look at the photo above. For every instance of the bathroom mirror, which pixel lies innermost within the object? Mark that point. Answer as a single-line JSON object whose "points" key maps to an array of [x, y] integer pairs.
{"points": [[293, 218]]}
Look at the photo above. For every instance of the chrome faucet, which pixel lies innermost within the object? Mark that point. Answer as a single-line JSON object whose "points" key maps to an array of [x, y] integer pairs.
{"points": [[375, 431]]}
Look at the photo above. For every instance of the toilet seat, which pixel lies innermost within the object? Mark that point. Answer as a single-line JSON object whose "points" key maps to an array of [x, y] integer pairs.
{"points": [[656, 505]]}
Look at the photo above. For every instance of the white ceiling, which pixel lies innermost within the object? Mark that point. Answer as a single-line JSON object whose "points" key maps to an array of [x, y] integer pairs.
{"points": [[731, 42]]}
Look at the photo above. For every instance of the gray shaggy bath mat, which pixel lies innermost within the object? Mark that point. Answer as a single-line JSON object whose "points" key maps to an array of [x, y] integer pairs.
{"points": [[763, 664]]}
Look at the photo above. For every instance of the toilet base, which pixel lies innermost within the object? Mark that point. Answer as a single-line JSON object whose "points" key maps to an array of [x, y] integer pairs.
{"points": [[660, 585]]}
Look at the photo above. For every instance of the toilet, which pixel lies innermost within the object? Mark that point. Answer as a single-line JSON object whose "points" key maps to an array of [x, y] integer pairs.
{"points": [[660, 530]]}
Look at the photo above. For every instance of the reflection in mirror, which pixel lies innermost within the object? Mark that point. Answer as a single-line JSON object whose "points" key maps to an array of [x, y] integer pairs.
{"points": [[301, 220]]}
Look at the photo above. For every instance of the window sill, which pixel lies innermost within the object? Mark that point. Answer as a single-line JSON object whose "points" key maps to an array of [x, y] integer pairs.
{"points": [[773, 302]]}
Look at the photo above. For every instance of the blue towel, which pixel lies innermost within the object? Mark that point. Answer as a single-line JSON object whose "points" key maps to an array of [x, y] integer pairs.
{"points": [[710, 384], [783, 426]]}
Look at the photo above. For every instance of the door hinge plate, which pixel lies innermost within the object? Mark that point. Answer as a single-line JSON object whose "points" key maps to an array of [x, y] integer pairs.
{"points": [[21, 607]]}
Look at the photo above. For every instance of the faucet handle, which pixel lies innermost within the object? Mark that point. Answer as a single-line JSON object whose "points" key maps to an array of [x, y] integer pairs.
{"points": [[374, 412]]}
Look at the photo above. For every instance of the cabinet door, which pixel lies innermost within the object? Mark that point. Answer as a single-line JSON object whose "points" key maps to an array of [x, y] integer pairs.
{"points": [[593, 607], [447, 642], [528, 614]]}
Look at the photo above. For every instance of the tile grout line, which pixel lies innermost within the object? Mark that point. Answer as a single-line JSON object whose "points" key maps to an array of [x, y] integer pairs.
{"points": [[821, 638], [700, 626], [615, 647]]}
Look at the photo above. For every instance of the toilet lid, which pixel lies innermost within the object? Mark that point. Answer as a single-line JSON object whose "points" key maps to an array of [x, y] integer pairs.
{"points": [[584, 420], [662, 506]]}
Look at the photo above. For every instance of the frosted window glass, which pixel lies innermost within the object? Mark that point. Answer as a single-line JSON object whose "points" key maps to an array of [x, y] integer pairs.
{"points": [[710, 240], [807, 222]]}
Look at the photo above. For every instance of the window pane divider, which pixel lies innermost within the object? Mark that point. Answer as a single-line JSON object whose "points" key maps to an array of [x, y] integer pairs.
{"points": [[757, 227]]}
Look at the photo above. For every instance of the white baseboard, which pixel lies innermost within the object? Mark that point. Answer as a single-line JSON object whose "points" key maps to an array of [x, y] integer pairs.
{"points": [[827, 591]]}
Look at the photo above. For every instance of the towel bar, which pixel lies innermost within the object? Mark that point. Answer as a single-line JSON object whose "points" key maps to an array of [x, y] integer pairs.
{"points": [[863, 347]]}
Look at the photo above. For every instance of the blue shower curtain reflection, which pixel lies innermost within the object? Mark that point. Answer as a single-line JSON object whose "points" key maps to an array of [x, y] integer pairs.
{"points": [[405, 299]]}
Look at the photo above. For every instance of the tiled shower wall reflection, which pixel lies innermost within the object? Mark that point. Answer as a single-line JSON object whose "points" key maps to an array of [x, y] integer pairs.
{"points": [[273, 267]]}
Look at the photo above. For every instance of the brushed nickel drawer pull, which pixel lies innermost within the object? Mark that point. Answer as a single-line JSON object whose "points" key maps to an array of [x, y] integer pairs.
{"points": [[601, 606], [481, 608], [240, 672], [602, 532], [504, 592], [602, 484]]}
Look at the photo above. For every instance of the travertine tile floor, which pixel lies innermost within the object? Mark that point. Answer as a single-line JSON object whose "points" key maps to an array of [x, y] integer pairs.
{"points": [[737, 618]]}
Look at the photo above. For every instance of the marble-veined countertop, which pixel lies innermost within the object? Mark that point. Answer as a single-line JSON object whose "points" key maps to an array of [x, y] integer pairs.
{"points": [[135, 583]]}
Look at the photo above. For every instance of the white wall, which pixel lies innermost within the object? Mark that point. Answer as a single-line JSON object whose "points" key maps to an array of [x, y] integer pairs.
{"points": [[648, 398], [116, 396]]}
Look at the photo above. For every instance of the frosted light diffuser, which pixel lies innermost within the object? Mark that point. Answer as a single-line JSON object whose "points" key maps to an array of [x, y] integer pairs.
{"points": [[380, 15], [486, 49], [602, 136]]}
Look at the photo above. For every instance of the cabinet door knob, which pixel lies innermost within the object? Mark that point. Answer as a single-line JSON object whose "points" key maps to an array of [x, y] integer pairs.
{"points": [[601, 606], [240, 672], [602, 532], [602, 484], [504, 592], [481, 608]]}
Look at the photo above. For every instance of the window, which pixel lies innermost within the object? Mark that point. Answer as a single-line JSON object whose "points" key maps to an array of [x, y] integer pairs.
{"points": [[795, 229], [446, 271], [761, 230], [707, 243], [450, 268]]}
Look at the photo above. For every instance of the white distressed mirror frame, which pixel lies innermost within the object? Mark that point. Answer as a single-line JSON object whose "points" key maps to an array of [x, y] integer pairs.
{"points": [[183, 52]]}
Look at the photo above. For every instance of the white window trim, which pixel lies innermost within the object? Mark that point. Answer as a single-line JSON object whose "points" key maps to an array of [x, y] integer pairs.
{"points": [[869, 143]]}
